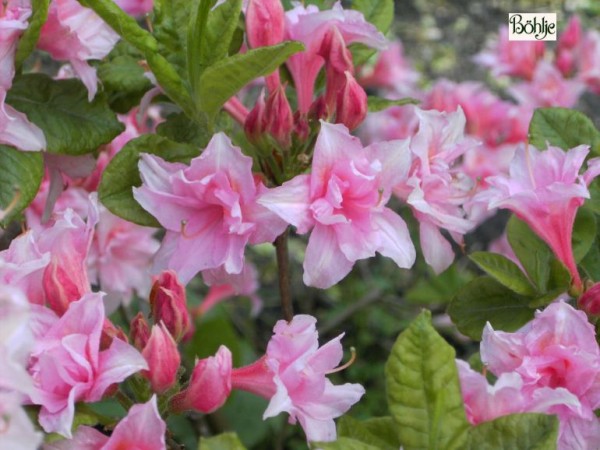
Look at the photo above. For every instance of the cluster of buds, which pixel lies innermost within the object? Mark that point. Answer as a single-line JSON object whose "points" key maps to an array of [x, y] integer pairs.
{"points": [[168, 308]]}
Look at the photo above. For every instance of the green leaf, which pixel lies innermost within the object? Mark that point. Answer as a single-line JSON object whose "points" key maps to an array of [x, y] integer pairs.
{"points": [[594, 202], [123, 24], [379, 432], [533, 253], [516, 432], [376, 104], [30, 36], [378, 12], [423, 390], [196, 32], [179, 128], [21, 174], [225, 441], [122, 174], [124, 82], [564, 128], [504, 271], [591, 263], [225, 78], [212, 332], [485, 300], [71, 124], [584, 233], [343, 443], [442, 288]]}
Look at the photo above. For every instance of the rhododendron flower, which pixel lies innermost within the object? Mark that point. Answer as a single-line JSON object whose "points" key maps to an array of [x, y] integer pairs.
{"points": [[16, 430], [83, 36], [67, 365], [309, 26], [435, 190], [15, 128], [544, 188], [141, 429], [208, 208], [343, 202], [515, 58], [557, 359]]}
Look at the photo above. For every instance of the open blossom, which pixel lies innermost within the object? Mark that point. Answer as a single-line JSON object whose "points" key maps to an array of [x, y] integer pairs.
{"points": [[141, 429], [15, 128], [83, 36], [68, 366], [208, 208], [545, 189], [343, 202], [16, 430], [557, 360]]}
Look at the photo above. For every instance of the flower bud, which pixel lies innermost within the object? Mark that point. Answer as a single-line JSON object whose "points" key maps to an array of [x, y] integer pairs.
{"points": [[279, 119], [351, 106], [163, 359], [109, 332], [64, 281], [338, 60], [254, 126], [168, 304], [210, 384], [590, 300], [139, 331]]}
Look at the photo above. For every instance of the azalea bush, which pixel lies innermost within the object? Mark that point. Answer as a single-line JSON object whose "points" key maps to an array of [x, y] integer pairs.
{"points": [[160, 160]]}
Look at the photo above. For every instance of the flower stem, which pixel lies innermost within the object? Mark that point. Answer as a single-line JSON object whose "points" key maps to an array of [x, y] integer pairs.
{"points": [[285, 292]]}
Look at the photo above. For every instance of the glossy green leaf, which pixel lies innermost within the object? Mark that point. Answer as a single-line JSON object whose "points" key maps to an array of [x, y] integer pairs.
{"points": [[179, 128], [516, 431], [376, 104], [225, 441], [584, 232], [423, 390], [343, 443], [564, 128], [485, 300], [122, 174], [21, 174], [380, 431], [504, 271], [71, 124], [378, 12], [221, 81], [30, 36]]}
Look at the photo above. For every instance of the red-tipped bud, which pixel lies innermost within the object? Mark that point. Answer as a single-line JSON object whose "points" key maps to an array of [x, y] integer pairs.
{"points": [[64, 281], [351, 105], [318, 110], [210, 384], [139, 331], [590, 300], [338, 60], [110, 332], [168, 304], [279, 118], [255, 122], [163, 359]]}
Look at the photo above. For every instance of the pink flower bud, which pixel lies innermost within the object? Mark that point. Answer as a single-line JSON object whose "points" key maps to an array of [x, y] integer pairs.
{"points": [[209, 386], [168, 304], [139, 331], [163, 359], [109, 332], [590, 300], [255, 121], [351, 106], [64, 282], [279, 118], [338, 60]]}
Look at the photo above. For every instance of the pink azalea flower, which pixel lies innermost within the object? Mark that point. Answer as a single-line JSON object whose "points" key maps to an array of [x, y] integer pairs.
{"points": [[16, 430], [76, 34], [397, 122], [141, 429], [136, 7], [309, 26], [434, 189], [545, 189], [515, 58], [589, 61], [558, 360], [15, 128], [208, 208], [67, 365], [343, 202]]}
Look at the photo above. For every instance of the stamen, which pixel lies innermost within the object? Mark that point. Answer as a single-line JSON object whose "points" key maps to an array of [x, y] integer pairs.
{"points": [[11, 205], [345, 366]]}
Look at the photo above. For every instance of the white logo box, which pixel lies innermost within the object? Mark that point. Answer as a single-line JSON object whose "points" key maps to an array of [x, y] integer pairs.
{"points": [[532, 27]]}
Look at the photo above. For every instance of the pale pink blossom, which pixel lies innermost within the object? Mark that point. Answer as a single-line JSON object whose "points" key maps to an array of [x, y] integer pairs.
{"points": [[15, 128], [589, 61], [515, 58], [397, 122], [76, 34], [68, 366], [568, 47], [309, 25], [343, 202], [141, 429], [208, 208], [136, 7], [16, 430], [545, 189], [434, 188]]}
